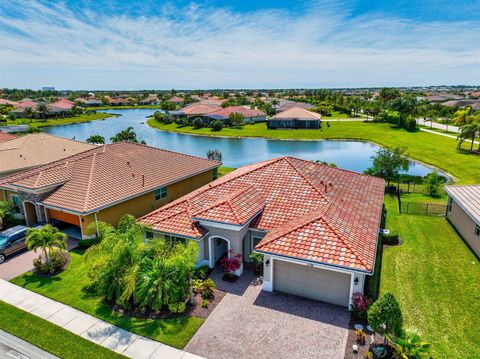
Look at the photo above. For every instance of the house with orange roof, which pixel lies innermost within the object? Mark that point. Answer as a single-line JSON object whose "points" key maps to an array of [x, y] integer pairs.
{"points": [[295, 118], [317, 226], [104, 183], [250, 115], [4, 136]]}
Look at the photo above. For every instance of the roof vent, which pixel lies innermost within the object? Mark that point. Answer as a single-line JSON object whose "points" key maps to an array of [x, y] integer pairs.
{"points": [[143, 180]]}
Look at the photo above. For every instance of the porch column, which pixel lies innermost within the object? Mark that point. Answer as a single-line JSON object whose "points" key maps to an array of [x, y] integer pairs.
{"points": [[267, 273]]}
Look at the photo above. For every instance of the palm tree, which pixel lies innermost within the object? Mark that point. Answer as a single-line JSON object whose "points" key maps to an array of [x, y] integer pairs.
{"points": [[96, 139], [462, 117], [128, 135], [42, 108], [410, 346], [5, 210], [46, 238], [28, 112]]}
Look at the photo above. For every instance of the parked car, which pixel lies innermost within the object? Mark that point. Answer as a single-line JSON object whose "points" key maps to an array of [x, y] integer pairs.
{"points": [[12, 241]]}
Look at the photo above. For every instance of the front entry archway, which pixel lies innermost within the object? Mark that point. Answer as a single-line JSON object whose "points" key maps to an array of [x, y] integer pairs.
{"points": [[218, 247], [30, 213]]}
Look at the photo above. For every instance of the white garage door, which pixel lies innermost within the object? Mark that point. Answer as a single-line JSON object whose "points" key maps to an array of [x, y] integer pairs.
{"points": [[305, 281]]}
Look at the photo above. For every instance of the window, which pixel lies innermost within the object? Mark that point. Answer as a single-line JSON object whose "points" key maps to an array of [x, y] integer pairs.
{"points": [[477, 230], [449, 204], [160, 193], [173, 240], [215, 174], [16, 203]]}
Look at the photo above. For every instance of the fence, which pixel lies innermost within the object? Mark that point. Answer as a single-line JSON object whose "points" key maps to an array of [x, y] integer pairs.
{"points": [[427, 209], [412, 187]]}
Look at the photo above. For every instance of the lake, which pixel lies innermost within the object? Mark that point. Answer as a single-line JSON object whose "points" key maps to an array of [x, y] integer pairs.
{"points": [[351, 155]]}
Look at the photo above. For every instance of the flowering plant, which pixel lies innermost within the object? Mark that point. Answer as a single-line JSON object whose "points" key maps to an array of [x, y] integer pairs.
{"points": [[360, 304], [231, 264]]}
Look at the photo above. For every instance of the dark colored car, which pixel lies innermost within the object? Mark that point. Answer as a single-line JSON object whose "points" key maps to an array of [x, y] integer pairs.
{"points": [[12, 241]]}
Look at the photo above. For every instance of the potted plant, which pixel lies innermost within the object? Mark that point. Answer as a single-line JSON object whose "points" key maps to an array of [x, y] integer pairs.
{"points": [[230, 265], [257, 260], [360, 336]]}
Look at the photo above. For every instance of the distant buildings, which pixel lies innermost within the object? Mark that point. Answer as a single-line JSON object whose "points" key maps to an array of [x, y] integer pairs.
{"points": [[48, 88]]}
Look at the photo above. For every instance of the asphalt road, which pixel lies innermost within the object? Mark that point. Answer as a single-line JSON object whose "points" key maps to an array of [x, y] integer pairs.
{"points": [[12, 347]]}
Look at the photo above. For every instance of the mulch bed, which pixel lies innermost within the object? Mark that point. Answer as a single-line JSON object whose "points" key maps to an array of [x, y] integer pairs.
{"points": [[352, 339], [48, 275], [198, 311]]}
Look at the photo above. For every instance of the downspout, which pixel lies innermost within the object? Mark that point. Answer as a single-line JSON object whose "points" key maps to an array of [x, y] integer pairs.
{"points": [[96, 223]]}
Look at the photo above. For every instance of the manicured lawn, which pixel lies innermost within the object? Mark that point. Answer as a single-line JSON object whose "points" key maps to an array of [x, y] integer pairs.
{"points": [[48, 336], [436, 150], [222, 171], [69, 288], [61, 121], [436, 278], [423, 198]]}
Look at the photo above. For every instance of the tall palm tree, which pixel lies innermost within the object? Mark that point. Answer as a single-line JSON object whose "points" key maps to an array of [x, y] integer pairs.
{"points": [[46, 238], [42, 109], [462, 117], [28, 112]]}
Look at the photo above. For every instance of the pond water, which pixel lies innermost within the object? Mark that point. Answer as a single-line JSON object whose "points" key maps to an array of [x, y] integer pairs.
{"points": [[351, 155]]}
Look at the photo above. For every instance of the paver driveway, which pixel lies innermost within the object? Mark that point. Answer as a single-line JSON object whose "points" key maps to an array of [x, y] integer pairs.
{"points": [[249, 323]]}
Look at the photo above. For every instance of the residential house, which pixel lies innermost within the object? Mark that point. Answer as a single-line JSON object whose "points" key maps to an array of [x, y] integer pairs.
{"points": [[118, 101], [250, 115], [176, 100], [7, 102], [194, 110], [151, 99], [284, 105], [103, 184], [59, 108], [295, 118], [35, 149], [89, 102], [461, 103], [317, 226], [463, 211], [5, 136]]}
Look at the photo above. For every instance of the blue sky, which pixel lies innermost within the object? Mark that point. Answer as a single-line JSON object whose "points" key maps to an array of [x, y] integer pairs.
{"points": [[238, 44]]}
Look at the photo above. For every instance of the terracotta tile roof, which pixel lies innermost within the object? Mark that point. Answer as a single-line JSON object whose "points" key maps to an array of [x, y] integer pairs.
{"points": [[468, 198], [198, 109], [108, 174], [297, 113], [6, 136], [7, 102], [245, 111], [291, 194], [63, 104], [37, 149]]}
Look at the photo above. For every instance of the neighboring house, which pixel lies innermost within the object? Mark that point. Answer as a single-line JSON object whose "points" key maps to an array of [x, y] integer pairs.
{"points": [[151, 99], [284, 105], [59, 108], [463, 211], [89, 102], [103, 184], [317, 226], [36, 149], [295, 118], [250, 115], [4, 137], [195, 110], [119, 101], [7, 102], [461, 103], [176, 100]]}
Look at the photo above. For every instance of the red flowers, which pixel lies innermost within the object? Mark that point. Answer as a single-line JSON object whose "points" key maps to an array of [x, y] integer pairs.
{"points": [[231, 264]]}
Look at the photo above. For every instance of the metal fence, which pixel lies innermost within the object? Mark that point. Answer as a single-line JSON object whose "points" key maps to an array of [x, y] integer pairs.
{"points": [[426, 209]]}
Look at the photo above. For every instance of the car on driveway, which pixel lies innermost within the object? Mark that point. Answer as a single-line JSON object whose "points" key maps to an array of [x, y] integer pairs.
{"points": [[12, 241]]}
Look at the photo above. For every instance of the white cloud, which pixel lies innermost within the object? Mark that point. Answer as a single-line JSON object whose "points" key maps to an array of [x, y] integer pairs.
{"points": [[202, 47]]}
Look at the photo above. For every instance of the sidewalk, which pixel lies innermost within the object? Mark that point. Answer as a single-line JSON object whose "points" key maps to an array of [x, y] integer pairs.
{"points": [[91, 328], [443, 134], [440, 126]]}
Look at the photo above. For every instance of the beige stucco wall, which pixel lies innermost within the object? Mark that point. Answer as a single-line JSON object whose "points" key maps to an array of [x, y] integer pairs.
{"points": [[465, 225]]}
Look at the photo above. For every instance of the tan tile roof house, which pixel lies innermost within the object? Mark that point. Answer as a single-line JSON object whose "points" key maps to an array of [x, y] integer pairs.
{"points": [[4, 136], [36, 149], [106, 182], [295, 117], [463, 211], [316, 225]]}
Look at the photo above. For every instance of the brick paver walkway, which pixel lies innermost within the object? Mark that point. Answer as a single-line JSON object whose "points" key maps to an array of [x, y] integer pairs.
{"points": [[249, 323], [96, 330]]}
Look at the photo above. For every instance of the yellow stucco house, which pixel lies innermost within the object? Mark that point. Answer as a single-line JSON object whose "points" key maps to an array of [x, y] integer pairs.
{"points": [[103, 184]]}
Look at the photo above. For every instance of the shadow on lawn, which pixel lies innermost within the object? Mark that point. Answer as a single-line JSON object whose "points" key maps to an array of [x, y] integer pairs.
{"points": [[39, 281]]}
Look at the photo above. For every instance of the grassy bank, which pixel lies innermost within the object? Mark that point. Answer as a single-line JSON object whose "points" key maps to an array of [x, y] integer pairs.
{"points": [[69, 288], [48, 336], [436, 278], [61, 121], [439, 151]]}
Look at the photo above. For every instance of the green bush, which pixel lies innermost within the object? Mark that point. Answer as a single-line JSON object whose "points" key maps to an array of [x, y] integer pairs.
{"points": [[58, 259], [204, 287], [205, 303], [411, 124], [197, 123], [177, 308], [87, 243], [181, 122], [201, 272], [216, 125], [385, 315]]}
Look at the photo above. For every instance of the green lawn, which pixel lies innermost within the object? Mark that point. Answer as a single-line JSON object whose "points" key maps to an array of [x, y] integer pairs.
{"points": [[423, 198], [436, 278], [68, 287], [439, 151], [61, 121], [48, 336]]}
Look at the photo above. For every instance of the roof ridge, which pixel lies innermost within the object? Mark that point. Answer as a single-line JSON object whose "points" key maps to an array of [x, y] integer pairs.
{"points": [[90, 177], [305, 178]]}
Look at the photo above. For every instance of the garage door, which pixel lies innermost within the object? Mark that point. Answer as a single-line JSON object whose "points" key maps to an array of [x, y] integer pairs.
{"points": [[314, 283], [64, 217]]}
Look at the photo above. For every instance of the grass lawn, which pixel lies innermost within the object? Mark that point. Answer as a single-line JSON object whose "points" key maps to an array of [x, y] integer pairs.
{"points": [[222, 171], [61, 121], [68, 287], [436, 278], [423, 198], [48, 336], [439, 151]]}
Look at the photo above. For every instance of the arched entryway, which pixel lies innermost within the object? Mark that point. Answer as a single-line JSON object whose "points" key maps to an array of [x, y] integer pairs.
{"points": [[30, 213], [218, 248]]}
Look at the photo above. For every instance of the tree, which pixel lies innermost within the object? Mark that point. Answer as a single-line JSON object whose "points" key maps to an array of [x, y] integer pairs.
{"points": [[387, 163], [388, 94], [5, 210], [433, 182], [46, 238], [216, 125], [409, 345], [215, 155], [42, 109], [236, 119], [197, 123], [385, 315], [128, 135], [468, 131], [28, 112], [96, 139]]}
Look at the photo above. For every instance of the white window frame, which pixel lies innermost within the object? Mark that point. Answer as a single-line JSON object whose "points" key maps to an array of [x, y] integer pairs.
{"points": [[160, 193]]}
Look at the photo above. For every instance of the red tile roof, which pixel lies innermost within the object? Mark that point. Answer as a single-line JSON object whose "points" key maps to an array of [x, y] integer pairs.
{"points": [[338, 209], [6, 136], [63, 104], [108, 174], [7, 102], [245, 111], [198, 109], [298, 113]]}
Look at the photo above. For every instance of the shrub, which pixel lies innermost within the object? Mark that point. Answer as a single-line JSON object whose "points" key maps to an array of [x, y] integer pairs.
{"points": [[390, 239], [432, 183], [201, 272], [360, 304], [231, 264], [205, 303], [181, 122], [177, 308], [208, 288], [409, 345], [197, 123], [410, 124], [167, 119], [385, 315], [236, 119], [58, 259], [87, 243], [216, 125]]}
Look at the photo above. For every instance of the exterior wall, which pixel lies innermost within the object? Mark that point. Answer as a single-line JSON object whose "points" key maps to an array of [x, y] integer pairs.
{"points": [[465, 225], [293, 123]]}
